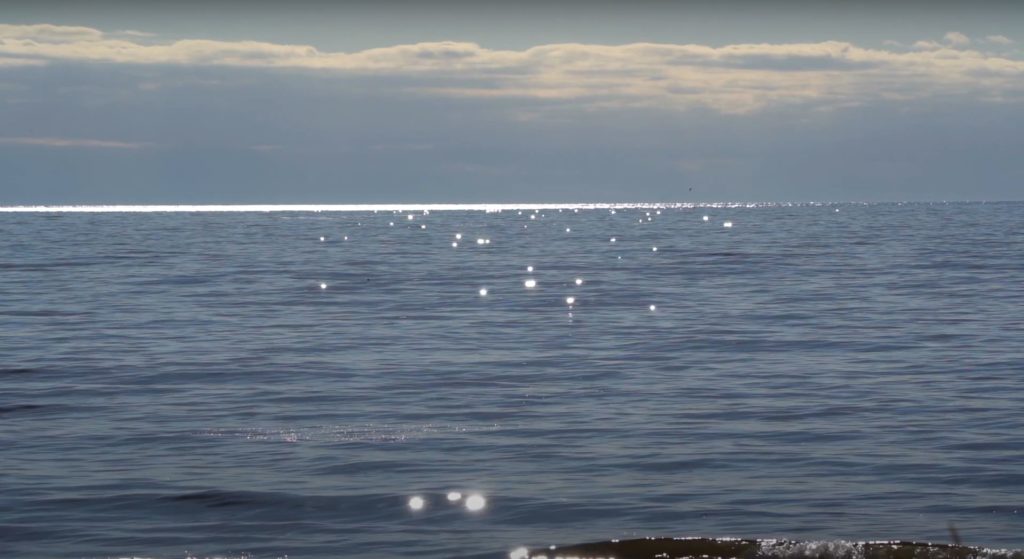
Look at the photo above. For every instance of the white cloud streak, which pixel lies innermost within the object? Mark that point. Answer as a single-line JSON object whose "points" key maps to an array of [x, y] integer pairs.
{"points": [[13, 62], [957, 39], [999, 39], [736, 78], [70, 143]]}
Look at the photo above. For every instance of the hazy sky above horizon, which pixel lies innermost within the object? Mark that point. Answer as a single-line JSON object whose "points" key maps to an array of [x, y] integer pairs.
{"points": [[223, 102]]}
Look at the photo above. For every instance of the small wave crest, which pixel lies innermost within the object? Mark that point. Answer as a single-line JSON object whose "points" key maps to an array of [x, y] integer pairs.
{"points": [[367, 433], [728, 548]]}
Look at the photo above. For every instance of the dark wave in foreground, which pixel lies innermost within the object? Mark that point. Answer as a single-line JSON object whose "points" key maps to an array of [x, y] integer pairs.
{"points": [[727, 548]]}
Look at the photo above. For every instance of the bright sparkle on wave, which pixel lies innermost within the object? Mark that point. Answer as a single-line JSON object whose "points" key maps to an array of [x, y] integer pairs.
{"points": [[530, 283], [417, 503], [475, 502]]}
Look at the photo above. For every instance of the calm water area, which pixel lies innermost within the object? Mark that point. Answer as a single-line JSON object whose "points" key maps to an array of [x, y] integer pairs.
{"points": [[230, 385]]}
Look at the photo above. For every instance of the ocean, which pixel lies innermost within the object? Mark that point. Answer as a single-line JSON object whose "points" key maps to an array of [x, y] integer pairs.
{"points": [[318, 384]]}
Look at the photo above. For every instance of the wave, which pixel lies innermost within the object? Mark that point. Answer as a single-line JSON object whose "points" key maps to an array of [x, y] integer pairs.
{"points": [[728, 548]]}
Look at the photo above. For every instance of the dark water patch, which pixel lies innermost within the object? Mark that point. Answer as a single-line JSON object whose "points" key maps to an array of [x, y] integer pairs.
{"points": [[12, 371], [19, 408], [42, 313], [26, 533], [218, 499]]}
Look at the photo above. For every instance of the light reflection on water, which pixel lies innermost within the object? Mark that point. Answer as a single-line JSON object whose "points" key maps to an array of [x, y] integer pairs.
{"points": [[179, 381]]}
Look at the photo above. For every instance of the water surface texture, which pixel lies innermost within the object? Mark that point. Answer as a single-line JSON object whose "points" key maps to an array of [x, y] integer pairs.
{"points": [[227, 384]]}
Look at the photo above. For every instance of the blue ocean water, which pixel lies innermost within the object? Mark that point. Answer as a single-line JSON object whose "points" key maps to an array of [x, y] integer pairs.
{"points": [[227, 384]]}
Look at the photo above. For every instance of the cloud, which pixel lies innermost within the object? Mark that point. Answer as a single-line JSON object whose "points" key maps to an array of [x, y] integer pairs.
{"points": [[47, 33], [739, 78], [134, 33], [12, 62], [926, 45], [71, 143], [957, 39], [999, 39]]}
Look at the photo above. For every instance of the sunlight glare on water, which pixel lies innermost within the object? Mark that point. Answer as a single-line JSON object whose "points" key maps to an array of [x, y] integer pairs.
{"points": [[175, 378], [475, 502]]}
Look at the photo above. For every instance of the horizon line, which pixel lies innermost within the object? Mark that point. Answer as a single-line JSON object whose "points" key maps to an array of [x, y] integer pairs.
{"points": [[399, 207]]}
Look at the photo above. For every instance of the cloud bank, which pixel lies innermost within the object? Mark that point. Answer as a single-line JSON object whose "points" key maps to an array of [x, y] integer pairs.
{"points": [[739, 78]]}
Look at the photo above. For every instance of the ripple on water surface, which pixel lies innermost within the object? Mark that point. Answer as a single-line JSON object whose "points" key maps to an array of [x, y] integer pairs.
{"points": [[228, 384]]}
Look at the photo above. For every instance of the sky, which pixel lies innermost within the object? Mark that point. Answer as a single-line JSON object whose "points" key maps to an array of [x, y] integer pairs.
{"points": [[445, 102]]}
